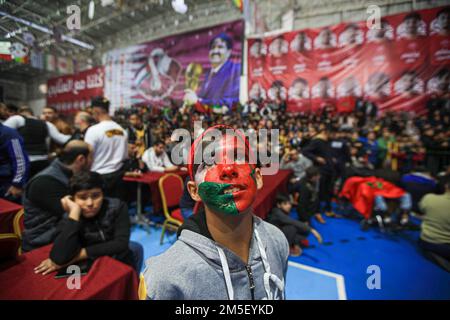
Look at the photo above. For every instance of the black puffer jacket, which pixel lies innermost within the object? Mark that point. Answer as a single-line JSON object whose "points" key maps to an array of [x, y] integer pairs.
{"points": [[106, 234]]}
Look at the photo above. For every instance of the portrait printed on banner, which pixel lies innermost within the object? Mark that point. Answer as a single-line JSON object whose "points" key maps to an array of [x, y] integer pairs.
{"points": [[409, 84], [326, 39], [412, 27]]}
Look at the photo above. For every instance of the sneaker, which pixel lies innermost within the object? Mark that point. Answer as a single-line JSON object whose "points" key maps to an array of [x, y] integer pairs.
{"points": [[404, 221], [332, 214], [319, 218], [295, 251], [365, 225]]}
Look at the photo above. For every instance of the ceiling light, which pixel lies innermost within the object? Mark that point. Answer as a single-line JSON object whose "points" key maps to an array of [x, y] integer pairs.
{"points": [[91, 9], [47, 30], [179, 6]]}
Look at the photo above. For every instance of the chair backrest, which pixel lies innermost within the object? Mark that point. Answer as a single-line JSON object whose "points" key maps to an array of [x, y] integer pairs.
{"points": [[18, 227], [9, 246], [171, 189], [18, 223]]}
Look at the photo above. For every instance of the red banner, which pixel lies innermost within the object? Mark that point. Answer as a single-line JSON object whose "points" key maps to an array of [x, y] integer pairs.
{"points": [[397, 65], [74, 92]]}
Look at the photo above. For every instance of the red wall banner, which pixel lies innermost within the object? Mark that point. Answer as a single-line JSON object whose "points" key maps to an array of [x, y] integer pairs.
{"points": [[398, 66], [74, 92]]}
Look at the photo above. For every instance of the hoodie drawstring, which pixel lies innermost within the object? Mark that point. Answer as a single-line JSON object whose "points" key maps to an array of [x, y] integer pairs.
{"points": [[226, 273], [268, 276]]}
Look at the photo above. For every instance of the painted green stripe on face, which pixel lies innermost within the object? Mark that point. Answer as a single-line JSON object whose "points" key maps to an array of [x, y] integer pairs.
{"points": [[252, 174], [214, 198]]}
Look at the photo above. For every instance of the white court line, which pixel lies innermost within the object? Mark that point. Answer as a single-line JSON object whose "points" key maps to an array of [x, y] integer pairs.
{"points": [[340, 283]]}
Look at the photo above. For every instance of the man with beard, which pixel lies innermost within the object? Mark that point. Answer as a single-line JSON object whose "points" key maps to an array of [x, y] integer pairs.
{"points": [[223, 251], [49, 114], [222, 81], [82, 121]]}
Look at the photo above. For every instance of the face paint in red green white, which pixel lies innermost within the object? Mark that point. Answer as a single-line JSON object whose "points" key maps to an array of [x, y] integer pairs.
{"points": [[229, 186]]}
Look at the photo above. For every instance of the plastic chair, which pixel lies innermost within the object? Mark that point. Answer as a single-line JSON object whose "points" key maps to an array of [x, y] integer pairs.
{"points": [[171, 189]]}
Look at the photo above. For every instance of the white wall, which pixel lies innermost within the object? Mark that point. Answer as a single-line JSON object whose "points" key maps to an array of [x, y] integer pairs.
{"points": [[37, 105]]}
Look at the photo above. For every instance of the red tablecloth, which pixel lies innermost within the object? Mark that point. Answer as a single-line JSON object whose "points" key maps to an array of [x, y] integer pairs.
{"points": [[266, 197], [7, 212], [152, 178], [107, 279]]}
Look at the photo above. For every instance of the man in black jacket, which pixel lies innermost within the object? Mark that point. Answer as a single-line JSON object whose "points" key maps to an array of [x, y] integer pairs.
{"points": [[35, 133], [43, 193], [321, 153]]}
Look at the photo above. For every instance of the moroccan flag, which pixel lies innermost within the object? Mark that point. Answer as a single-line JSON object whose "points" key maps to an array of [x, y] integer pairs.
{"points": [[361, 192], [199, 107], [239, 4]]}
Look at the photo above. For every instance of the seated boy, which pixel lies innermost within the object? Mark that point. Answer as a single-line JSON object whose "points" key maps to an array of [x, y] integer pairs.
{"points": [[295, 231], [93, 226], [223, 251]]}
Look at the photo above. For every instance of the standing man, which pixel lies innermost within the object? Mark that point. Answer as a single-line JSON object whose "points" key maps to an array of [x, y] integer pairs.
{"points": [[83, 120], [321, 153], [14, 164], [35, 133], [138, 133], [110, 144]]}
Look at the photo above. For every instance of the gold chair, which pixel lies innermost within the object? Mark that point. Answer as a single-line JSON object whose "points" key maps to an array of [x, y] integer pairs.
{"points": [[171, 190], [18, 227]]}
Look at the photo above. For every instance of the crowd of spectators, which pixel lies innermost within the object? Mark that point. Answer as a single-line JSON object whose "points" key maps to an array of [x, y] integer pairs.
{"points": [[322, 149]]}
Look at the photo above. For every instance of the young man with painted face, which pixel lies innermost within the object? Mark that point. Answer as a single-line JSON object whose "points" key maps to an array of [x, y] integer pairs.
{"points": [[223, 251], [222, 81]]}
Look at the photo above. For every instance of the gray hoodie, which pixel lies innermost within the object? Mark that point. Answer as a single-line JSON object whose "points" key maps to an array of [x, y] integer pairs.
{"points": [[198, 268]]}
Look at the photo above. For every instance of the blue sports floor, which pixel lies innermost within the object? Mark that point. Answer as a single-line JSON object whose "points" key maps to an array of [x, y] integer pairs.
{"points": [[337, 269]]}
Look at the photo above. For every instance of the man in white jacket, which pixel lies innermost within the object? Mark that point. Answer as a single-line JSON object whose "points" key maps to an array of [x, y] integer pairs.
{"points": [[157, 160]]}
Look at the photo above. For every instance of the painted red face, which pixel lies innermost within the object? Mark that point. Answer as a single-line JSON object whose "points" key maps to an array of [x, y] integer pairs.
{"points": [[229, 185]]}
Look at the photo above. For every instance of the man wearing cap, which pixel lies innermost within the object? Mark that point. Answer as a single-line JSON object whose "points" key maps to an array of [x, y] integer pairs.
{"points": [[110, 144], [223, 251], [221, 84]]}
